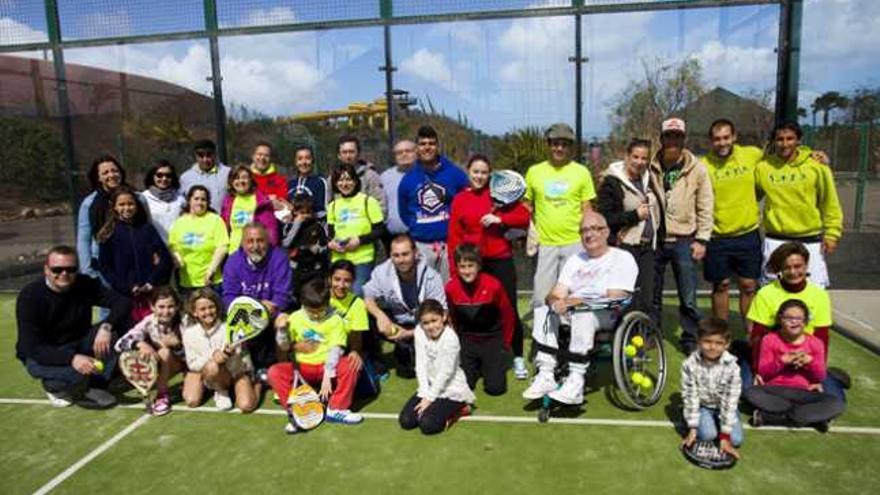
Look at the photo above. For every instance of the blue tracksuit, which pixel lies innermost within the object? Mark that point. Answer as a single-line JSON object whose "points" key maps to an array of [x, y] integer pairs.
{"points": [[424, 199]]}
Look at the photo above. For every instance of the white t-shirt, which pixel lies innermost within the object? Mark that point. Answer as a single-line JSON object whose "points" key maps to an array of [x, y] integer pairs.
{"points": [[591, 278]]}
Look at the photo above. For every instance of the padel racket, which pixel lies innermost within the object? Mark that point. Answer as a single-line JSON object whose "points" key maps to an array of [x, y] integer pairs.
{"points": [[245, 319], [141, 371], [305, 404], [506, 187], [708, 455]]}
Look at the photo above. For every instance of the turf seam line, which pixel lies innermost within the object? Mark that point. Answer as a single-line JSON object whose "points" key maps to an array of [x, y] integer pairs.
{"points": [[70, 471], [641, 423]]}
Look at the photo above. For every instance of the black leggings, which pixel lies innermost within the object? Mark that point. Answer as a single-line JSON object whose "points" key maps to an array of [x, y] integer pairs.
{"points": [[801, 407], [433, 419], [505, 271], [484, 357]]}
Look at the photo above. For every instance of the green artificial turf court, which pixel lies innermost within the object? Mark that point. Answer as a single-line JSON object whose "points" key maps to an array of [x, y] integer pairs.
{"points": [[206, 451]]}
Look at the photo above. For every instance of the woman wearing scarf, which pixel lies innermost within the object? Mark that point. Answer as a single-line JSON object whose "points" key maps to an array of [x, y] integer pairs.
{"points": [[162, 196]]}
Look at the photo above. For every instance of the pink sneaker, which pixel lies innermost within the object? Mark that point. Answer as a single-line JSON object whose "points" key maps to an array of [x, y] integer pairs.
{"points": [[162, 406]]}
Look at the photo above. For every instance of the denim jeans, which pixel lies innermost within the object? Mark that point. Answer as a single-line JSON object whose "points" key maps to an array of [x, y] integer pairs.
{"points": [[707, 429], [64, 378], [362, 274], [830, 384], [678, 253]]}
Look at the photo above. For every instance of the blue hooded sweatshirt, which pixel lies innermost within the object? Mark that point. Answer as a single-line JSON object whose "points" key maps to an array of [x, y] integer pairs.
{"points": [[424, 199]]}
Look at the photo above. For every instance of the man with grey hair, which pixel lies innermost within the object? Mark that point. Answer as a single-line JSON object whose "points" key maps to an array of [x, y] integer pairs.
{"points": [[404, 156]]}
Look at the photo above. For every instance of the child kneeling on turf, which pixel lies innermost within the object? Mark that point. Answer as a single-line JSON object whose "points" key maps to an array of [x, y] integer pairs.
{"points": [[482, 315], [791, 368], [158, 335], [319, 338], [443, 393], [710, 389], [211, 361]]}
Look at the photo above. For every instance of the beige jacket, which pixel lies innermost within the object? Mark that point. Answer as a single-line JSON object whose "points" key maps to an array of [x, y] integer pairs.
{"points": [[632, 199], [687, 207]]}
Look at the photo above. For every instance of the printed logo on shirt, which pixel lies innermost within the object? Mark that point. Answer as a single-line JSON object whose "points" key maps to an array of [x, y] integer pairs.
{"points": [[731, 172], [312, 334], [555, 188], [193, 239], [431, 197], [348, 215], [240, 218], [786, 177]]}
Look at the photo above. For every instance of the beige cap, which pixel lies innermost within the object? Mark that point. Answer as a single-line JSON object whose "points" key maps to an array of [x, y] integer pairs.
{"points": [[672, 125]]}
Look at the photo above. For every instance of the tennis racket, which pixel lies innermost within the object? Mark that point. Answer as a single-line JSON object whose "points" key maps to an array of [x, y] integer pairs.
{"points": [[506, 187], [141, 371], [245, 319], [304, 404], [707, 455]]}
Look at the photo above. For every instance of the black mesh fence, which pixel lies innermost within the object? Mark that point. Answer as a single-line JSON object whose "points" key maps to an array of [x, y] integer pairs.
{"points": [[91, 19], [253, 13]]}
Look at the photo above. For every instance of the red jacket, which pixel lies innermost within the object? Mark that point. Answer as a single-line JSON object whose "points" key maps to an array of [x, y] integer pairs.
{"points": [[271, 183], [481, 310], [468, 207]]}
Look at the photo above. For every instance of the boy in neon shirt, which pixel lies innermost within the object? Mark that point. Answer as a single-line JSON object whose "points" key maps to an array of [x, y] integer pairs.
{"points": [[317, 337]]}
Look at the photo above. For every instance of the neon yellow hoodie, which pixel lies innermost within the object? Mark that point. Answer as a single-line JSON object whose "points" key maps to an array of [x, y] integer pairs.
{"points": [[733, 182], [801, 198]]}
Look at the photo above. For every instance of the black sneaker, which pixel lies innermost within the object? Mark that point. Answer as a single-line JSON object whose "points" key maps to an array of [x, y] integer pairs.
{"points": [[822, 426]]}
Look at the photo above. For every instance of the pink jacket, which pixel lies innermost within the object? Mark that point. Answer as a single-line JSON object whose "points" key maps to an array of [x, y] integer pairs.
{"points": [[775, 372], [265, 214]]}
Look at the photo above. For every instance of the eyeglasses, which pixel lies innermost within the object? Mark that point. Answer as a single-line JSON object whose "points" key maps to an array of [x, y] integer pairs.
{"points": [[58, 270], [793, 319], [163, 175], [595, 229]]}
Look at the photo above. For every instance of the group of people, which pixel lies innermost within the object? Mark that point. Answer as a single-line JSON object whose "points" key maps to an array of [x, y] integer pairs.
{"points": [[165, 263]]}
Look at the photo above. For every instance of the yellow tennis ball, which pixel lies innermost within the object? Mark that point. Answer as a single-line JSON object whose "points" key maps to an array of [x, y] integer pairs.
{"points": [[637, 377], [637, 341], [630, 351], [99, 365], [647, 383]]}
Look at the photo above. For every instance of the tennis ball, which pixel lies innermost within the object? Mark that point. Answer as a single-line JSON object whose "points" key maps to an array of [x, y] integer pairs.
{"points": [[637, 377], [647, 383], [394, 330], [99, 365], [630, 351], [637, 341]]}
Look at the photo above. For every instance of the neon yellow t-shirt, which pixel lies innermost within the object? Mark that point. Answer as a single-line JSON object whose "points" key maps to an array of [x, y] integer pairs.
{"points": [[733, 184], [768, 300], [558, 195], [353, 312], [195, 239], [800, 197], [241, 213], [354, 217], [329, 332]]}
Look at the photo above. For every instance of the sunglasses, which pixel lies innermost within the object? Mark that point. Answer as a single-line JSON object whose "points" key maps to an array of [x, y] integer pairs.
{"points": [[163, 175], [58, 270]]}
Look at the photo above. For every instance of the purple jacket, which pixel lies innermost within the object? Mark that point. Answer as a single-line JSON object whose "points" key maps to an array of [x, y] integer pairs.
{"points": [[270, 280], [265, 214]]}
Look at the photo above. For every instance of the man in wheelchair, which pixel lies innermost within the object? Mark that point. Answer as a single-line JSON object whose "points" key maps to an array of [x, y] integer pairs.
{"points": [[583, 298]]}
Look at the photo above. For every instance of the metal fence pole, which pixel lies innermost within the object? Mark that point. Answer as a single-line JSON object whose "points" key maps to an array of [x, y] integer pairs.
{"points": [[53, 25], [386, 11], [211, 25], [864, 147], [788, 59], [578, 60]]}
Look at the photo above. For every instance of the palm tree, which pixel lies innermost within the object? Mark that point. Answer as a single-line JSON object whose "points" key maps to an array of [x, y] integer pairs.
{"points": [[826, 102]]}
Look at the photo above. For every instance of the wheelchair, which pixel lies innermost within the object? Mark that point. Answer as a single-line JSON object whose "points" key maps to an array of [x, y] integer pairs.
{"points": [[637, 354]]}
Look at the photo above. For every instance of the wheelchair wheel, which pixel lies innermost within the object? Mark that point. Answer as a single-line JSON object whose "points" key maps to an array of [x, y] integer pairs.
{"points": [[639, 361]]}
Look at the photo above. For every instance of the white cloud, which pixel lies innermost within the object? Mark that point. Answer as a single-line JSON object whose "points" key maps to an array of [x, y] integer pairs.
{"points": [[737, 66], [14, 33], [268, 17], [429, 66], [103, 24]]}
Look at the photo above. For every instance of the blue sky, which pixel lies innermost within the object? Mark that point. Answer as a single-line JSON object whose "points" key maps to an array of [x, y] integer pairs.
{"points": [[502, 74]]}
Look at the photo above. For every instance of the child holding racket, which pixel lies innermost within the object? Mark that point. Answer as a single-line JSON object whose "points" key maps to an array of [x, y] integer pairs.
{"points": [[710, 389], [158, 335], [212, 363], [318, 340], [443, 394]]}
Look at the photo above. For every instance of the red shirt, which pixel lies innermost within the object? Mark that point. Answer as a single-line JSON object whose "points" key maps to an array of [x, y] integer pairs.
{"points": [[468, 207], [270, 184], [775, 372], [481, 309]]}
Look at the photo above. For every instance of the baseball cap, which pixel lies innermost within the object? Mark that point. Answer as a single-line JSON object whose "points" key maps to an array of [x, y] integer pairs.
{"points": [[559, 131], [672, 125]]}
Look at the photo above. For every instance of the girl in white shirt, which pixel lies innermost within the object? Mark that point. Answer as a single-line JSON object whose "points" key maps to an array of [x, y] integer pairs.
{"points": [[443, 395], [212, 363]]}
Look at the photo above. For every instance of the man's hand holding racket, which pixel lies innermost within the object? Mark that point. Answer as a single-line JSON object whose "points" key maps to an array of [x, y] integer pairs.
{"points": [[728, 447], [690, 438], [326, 388]]}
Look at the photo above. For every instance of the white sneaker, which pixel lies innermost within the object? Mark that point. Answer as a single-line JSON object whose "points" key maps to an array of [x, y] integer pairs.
{"points": [[519, 368], [571, 391], [222, 400], [343, 416], [60, 399], [542, 384], [100, 398]]}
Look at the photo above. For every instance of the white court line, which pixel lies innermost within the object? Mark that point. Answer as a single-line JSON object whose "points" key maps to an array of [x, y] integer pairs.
{"points": [[67, 473], [478, 418]]}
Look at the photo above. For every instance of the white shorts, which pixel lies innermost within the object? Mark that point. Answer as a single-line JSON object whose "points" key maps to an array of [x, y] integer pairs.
{"points": [[817, 269]]}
